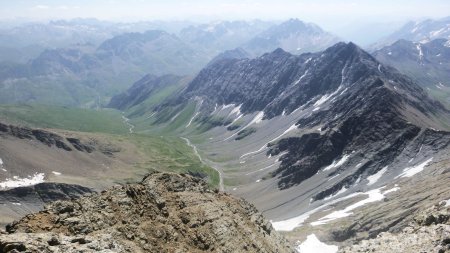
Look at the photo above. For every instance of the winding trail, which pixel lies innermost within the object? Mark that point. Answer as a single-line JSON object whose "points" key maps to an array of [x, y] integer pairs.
{"points": [[127, 121], [221, 187]]}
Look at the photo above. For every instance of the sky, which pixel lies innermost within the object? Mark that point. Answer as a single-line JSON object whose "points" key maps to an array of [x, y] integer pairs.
{"points": [[330, 14]]}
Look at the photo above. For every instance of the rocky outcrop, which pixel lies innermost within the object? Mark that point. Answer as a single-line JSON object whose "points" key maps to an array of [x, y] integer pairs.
{"points": [[164, 213], [430, 232], [48, 138]]}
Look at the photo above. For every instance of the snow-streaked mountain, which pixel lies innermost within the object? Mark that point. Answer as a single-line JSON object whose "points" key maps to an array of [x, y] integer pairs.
{"points": [[314, 138], [427, 63], [419, 31]]}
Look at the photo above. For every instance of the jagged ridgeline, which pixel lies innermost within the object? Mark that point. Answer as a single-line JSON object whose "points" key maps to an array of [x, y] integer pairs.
{"points": [[163, 213], [290, 132]]}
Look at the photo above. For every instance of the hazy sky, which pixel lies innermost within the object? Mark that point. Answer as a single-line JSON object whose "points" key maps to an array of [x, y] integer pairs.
{"points": [[327, 13]]}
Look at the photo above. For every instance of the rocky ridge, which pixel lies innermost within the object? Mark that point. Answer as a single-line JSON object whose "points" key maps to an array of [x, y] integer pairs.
{"points": [[430, 232], [48, 138], [164, 213]]}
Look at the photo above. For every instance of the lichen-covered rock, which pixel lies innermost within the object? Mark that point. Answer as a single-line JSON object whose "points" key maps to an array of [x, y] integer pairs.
{"points": [[430, 232], [164, 213]]}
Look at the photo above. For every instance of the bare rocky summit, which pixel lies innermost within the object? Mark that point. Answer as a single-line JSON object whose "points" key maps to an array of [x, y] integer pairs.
{"points": [[164, 213], [430, 232]]}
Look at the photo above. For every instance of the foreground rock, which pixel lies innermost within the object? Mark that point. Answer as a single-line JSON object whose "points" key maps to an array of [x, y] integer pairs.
{"points": [[164, 213], [430, 232]]}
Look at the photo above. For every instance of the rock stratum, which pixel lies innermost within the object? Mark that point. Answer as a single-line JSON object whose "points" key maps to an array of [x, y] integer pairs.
{"points": [[164, 213], [429, 232]]}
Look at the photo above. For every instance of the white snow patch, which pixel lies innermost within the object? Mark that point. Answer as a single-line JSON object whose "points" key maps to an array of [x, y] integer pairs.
{"points": [[16, 203], [410, 160], [236, 110], [336, 164], [316, 109], [259, 180], [333, 177], [256, 120], [234, 189], [192, 119], [300, 79], [18, 182], [375, 177], [379, 68], [358, 165], [373, 196], [313, 245], [419, 48], [326, 97], [395, 88], [226, 106], [447, 202], [174, 117], [56, 173], [389, 53], [447, 44], [411, 171], [1, 162], [290, 224]]}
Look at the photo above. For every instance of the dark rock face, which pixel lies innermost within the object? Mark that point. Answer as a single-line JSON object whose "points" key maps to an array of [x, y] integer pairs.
{"points": [[48, 138], [43, 193], [376, 113], [164, 212]]}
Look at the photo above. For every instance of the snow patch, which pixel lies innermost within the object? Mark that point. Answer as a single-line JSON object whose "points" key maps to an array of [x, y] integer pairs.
{"points": [[56, 173], [18, 182], [301, 78], [375, 177], [192, 119], [313, 245], [411, 171], [447, 202], [336, 164], [236, 110], [256, 120], [379, 68], [419, 48], [373, 196], [326, 97]]}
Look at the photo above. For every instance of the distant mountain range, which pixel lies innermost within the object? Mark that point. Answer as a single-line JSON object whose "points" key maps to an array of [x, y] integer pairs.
{"points": [[428, 63], [88, 75], [419, 31], [293, 36]]}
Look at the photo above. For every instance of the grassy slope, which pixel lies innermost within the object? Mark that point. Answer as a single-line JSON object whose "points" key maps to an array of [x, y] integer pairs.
{"points": [[157, 152], [170, 154], [74, 119]]}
